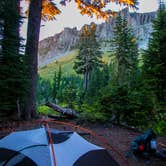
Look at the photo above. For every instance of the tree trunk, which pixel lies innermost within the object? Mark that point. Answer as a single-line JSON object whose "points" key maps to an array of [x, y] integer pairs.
{"points": [[122, 74], [86, 81], [33, 32], [65, 111], [18, 110]]}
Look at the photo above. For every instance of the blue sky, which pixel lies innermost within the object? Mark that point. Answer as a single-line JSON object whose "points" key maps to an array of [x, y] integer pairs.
{"points": [[70, 17]]}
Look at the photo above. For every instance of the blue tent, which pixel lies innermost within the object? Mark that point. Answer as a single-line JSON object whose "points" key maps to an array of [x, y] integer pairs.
{"points": [[32, 147]]}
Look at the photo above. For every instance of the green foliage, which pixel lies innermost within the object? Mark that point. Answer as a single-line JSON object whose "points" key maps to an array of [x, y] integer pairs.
{"points": [[114, 101], [115, 98], [126, 51], [130, 107], [44, 92], [140, 111], [99, 79], [44, 110], [56, 83], [13, 70], [89, 56], [160, 127], [154, 67], [66, 62], [90, 113], [69, 90]]}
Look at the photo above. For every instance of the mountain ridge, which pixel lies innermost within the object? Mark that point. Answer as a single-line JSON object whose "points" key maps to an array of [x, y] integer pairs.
{"points": [[51, 48]]}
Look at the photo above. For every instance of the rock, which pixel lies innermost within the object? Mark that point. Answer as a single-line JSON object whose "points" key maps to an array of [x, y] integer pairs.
{"points": [[60, 44], [54, 47]]}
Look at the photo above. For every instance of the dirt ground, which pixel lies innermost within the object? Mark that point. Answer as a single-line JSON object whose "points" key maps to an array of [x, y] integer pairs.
{"points": [[121, 138], [116, 139]]}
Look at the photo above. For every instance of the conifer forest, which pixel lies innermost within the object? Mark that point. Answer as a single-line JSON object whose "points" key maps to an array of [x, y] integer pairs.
{"points": [[128, 88]]}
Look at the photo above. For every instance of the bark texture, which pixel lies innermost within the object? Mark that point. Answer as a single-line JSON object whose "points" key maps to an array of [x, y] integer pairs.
{"points": [[33, 32], [65, 111]]}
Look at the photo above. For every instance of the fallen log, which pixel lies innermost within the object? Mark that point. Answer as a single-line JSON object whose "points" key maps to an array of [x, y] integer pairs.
{"points": [[65, 111]]}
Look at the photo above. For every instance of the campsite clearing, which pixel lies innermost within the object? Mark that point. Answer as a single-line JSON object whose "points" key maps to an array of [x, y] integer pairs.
{"points": [[118, 137]]}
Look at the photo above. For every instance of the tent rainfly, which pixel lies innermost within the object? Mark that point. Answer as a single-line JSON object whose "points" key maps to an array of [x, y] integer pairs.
{"points": [[33, 148]]}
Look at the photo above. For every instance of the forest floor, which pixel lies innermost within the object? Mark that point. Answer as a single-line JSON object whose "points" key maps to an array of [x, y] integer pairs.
{"points": [[118, 137]]}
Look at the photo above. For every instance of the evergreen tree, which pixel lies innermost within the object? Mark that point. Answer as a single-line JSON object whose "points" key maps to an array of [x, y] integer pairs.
{"points": [[94, 86], [98, 80], [105, 75], [57, 83], [44, 91], [89, 56], [155, 60], [70, 93], [69, 90], [115, 97], [126, 51], [55, 89], [12, 69]]}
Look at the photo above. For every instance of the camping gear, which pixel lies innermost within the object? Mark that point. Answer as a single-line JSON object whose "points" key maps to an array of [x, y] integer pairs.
{"points": [[49, 147], [144, 144], [153, 144]]}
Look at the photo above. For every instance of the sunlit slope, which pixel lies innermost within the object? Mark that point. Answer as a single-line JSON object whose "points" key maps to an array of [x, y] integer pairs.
{"points": [[67, 63]]}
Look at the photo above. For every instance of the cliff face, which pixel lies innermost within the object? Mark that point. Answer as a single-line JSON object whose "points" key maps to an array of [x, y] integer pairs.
{"points": [[141, 24], [53, 47]]}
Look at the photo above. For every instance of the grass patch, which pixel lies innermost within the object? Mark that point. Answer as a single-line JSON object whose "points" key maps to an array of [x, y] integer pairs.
{"points": [[44, 110], [67, 63]]}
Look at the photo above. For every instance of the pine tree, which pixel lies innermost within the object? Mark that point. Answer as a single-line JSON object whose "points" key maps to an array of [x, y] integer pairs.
{"points": [[89, 55], [56, 83], [12, 69], [94, 86], [155, 59], [115, 96], [44, 93], [126, 51], [54, 91], [98, 80], [70, 93]]}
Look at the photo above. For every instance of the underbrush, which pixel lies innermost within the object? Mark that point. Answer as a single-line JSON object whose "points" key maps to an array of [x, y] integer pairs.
{"points": [[160, 128], [44, 110], [91, 114]]}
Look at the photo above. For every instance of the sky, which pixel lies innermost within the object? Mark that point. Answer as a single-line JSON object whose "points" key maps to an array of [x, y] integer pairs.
{"points": [[70, 17]]}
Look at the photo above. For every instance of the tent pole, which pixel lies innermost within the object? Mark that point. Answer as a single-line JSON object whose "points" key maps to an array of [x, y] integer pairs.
{"points": [[50, 141]]}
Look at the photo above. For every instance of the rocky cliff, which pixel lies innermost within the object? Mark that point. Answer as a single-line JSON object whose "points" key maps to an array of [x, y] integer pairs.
{"points": [[60, 44], [141, 24]]}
